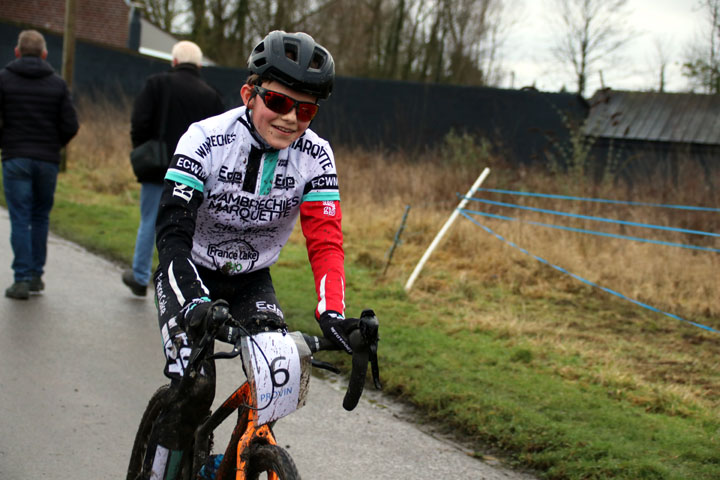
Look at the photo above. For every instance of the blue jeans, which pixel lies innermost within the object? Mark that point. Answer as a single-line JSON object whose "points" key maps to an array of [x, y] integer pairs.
{"points": [[150, 194], [29, 191]]}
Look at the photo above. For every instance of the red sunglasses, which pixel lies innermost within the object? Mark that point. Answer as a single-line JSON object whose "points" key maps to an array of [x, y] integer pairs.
{"points": [[282, 104]]}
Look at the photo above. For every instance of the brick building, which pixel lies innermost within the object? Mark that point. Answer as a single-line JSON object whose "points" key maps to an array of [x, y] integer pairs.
{"points": [[102, 21], [105, 22]]}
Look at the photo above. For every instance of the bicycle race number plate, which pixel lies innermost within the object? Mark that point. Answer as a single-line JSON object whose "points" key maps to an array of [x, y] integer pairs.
{"points": [[278, 372]]}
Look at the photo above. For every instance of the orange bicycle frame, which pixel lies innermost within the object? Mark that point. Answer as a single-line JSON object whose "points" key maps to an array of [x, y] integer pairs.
{"points": [[241, 397]]}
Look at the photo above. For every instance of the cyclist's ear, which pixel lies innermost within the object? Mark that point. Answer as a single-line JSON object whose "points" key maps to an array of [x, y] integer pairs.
{"points": [[247, 95]]}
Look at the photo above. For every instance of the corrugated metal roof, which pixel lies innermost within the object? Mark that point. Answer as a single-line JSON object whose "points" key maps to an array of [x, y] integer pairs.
{"points": [[653, 116]]}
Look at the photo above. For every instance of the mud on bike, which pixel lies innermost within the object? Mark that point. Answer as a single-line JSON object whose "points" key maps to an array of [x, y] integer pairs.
{"points": [[277, 364]]}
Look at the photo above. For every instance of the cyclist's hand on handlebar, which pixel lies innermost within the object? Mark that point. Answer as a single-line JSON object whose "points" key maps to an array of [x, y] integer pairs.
{"points": [[206, 315], [336, 329]]}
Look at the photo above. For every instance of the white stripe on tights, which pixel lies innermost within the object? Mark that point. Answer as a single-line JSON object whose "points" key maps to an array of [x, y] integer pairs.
{"points": [[174, 285]]}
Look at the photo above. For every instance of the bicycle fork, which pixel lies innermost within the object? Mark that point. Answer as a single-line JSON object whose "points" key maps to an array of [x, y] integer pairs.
{"points": [[261, 434]]}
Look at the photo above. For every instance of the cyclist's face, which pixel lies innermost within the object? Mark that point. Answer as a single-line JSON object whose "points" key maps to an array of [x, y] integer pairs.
{"points": [[279, 131]]}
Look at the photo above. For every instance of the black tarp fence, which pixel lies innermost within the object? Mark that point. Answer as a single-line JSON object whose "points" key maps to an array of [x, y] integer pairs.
{"points": [[363, 113]]}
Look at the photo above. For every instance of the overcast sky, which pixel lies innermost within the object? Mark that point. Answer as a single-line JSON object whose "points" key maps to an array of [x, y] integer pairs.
{"points": [[674, 23]]}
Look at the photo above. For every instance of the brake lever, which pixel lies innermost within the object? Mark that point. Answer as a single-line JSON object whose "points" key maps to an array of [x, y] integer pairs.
{"points": [[364, 344], [375, 367], [325, 366], [369, 326], [229, 334], [231, 354]]}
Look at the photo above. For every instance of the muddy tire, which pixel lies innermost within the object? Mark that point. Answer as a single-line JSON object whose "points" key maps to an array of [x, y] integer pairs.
{"points": [[142, 437], [270, 458]]}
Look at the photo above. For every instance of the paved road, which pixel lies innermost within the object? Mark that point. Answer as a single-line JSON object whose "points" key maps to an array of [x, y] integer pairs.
{"points": [[78, 363]]}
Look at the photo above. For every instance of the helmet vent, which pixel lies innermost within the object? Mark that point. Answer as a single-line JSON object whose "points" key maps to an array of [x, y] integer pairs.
{"points": [[291, 52], [318, 60]]}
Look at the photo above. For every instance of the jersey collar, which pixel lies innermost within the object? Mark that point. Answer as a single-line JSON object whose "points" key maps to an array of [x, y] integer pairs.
{"points": [[246, 119]]}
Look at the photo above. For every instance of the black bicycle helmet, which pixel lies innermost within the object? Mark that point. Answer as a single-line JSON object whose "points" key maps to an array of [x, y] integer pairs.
{"points": [[295, 60]]}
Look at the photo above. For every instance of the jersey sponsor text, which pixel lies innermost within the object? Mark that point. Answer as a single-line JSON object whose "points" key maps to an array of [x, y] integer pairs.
{"points": [[263, 210], [190, 166], [315, 150], [214, 141]]}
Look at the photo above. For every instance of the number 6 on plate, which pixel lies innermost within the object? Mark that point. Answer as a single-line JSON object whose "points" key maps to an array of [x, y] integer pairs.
{"points": [[278, 369]]}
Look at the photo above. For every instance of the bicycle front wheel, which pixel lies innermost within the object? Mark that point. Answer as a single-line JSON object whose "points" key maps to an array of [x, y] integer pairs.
{"points": [[265, 458], [152, 412]]}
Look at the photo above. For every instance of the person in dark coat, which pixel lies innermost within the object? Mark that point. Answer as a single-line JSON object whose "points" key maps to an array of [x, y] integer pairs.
{"points": [[37, 119], [189, 99]]}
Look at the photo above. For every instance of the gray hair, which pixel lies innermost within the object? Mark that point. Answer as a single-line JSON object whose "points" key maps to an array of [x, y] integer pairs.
{"points": [[32, 43], [187, 52]]}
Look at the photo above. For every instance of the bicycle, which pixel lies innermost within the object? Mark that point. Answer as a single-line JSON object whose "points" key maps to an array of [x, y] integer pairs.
{"points": [[273, 359]]}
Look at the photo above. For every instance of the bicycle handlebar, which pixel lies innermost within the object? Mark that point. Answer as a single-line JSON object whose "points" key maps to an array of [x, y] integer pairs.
{"points": [[363, 341]]}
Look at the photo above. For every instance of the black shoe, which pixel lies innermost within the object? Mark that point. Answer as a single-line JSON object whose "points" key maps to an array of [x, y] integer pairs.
{"points": [[18, 291], [36, 285], [128, 279]]}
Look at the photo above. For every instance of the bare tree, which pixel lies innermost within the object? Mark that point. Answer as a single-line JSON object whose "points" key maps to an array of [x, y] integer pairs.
{"points": [[461, 40], [454, 41], [162, 13], [660, 62], [702, 64], [423, 40], [591, 32]]}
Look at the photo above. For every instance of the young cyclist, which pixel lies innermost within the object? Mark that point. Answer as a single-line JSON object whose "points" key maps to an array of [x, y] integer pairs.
{"points": [[234, 190]]}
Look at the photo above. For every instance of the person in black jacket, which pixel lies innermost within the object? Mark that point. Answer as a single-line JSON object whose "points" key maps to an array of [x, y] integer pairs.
{"points": [[188, 99], [37, 119]]}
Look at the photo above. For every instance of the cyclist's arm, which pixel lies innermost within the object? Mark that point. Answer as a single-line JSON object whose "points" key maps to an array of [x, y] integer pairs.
{"points": [[174, 229], [175, 225], [321, 225]]}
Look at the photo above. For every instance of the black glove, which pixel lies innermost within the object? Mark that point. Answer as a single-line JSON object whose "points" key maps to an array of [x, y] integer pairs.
{"points": [[336, 328], [201, 316]]}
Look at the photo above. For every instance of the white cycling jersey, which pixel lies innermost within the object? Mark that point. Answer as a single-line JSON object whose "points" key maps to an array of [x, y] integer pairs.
{"points": [[252, 193]]}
